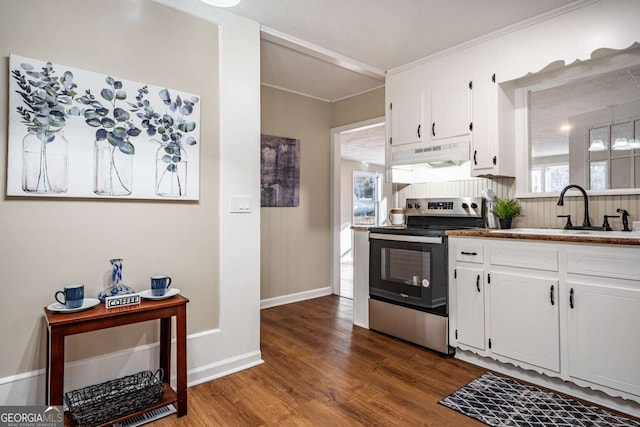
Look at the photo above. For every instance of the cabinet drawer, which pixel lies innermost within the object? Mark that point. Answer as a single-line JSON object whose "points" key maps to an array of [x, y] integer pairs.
{"points": [[524, 256], [470, 251], [613, 262]]}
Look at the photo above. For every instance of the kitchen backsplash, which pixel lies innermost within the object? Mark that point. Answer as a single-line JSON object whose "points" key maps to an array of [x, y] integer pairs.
{"points": [[537, 212]]}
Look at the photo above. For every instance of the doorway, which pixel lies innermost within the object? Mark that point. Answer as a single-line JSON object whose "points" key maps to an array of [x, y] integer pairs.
{"points": [[357, 164]]}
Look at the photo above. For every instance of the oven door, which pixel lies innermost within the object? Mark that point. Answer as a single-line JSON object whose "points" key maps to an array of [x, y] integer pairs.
{"points": [[409, 271]]}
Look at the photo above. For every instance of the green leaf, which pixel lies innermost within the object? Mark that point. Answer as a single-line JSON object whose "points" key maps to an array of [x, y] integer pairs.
{"points": [[114, 139], [107, 122], [101, 135], [107, 94], [90, 113], [110, 80], [164, 95], [93, 122], [166, 159], [121, 115], [121, 95], [25, 66], [187, 127], [191, 141], [127, 148], [120, 132]]}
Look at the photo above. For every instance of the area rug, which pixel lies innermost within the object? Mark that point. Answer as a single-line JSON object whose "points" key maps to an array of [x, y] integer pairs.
{"points": [[499, 401]]}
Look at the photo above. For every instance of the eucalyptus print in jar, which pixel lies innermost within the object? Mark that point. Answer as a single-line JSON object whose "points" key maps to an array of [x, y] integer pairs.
{"points": [[113, 149], [47, 102], [171, 130]]}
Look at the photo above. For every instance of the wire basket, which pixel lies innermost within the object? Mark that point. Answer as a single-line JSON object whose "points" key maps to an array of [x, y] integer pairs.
{"points": [[101, 403]]}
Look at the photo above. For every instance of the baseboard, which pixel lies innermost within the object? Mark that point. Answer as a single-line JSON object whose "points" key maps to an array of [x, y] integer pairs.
{"points": [[597, 397], [29, 388], [297, 297]]}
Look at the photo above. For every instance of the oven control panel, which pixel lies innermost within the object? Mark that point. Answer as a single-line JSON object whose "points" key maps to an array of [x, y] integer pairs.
{"points": [[459, 206]]}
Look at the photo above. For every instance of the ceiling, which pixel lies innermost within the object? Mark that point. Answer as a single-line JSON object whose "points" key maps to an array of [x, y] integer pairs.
{"points": [[332, 49]]}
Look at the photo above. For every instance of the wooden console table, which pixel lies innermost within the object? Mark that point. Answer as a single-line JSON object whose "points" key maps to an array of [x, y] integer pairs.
{"points": [[62, 324]]}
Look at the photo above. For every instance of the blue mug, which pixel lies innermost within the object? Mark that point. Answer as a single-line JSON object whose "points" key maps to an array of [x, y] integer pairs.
{"points": [[73, 296], [159, 285]]}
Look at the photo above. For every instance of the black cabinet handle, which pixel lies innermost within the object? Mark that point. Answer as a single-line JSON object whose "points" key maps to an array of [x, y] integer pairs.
{"points": [[551, 296], [433, 129], [475, 160], [571, 298], [419, 131], [469, 253], [478, 282]]}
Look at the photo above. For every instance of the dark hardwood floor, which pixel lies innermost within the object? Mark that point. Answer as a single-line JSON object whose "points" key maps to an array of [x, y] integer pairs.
{"points": [[320, 370]]}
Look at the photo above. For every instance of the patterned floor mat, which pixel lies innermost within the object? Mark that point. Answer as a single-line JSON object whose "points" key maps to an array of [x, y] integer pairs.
{"points": [[498, 401]]}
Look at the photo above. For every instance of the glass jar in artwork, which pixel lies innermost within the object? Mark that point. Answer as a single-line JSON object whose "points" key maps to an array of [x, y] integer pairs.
{"points": [[45, 164], [171, 170], [113, 170]]}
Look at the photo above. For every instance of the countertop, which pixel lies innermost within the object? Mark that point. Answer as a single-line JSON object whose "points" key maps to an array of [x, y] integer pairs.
{"points": [[552, 235]]}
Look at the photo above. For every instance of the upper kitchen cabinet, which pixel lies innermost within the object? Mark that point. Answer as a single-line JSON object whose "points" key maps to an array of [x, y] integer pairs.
{"points": [[493, 136], [450, 110], [405, 108]]}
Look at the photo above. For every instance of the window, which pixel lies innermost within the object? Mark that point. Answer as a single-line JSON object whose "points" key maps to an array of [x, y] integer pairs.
{"points": [[549, 178], [366, 198], [613, 155]]}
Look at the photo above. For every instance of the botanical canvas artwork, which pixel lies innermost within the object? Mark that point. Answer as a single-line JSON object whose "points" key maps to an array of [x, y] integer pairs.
{"points": [[280, 171], [78, 133]]}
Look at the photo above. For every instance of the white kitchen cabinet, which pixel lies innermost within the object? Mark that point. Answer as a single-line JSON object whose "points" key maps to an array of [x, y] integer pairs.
{"points": [[524, 318], [566, 310], [604, 334], [405, 102], [451, 110], [470, 321], [493, 136]]}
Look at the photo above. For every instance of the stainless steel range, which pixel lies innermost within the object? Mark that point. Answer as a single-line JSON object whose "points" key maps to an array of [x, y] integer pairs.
{"points": [[408, 271]]}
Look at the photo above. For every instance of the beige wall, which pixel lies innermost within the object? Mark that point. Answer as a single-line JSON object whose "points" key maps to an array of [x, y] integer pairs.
{"points": [[368, 105], [46, 244], [296, 241]]}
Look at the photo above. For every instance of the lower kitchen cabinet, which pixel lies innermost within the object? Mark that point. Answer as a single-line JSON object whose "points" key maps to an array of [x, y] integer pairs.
{"points": [[566, 310], [524, 319], [469, 302], [604, 334]]}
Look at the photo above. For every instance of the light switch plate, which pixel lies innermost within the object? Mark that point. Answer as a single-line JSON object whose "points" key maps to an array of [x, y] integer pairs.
{"points": [[240, 204]]}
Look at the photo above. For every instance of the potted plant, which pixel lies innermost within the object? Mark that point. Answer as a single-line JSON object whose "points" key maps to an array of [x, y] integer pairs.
{"points": [[506, 210]]}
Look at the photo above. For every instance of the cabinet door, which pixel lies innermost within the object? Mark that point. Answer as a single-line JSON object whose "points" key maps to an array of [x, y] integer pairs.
{"points": [[525, 323], [604, 334], [406, 109], [485, 109], [470, 306], [492, 147], [450, 111]]}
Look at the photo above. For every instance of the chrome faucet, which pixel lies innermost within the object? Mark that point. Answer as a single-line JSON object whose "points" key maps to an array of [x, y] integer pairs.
{"points": [[586, 222]]}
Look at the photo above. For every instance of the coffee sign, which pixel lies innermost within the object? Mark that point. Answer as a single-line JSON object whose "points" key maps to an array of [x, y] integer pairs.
{"points": [[122, 300]]}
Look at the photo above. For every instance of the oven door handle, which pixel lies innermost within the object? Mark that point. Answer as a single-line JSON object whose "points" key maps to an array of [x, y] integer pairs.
{"points": [[406, 238]]}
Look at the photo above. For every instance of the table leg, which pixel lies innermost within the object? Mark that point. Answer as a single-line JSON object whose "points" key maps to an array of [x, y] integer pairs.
{"points": [[55, 365], [165, 348], [181, 363]]}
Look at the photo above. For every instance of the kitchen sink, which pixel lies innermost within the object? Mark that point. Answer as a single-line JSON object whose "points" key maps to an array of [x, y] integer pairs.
{"points": [[563, 232]]}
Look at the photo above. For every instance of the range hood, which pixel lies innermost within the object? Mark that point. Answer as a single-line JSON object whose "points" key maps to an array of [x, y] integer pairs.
{"points": [[451, 152]]}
